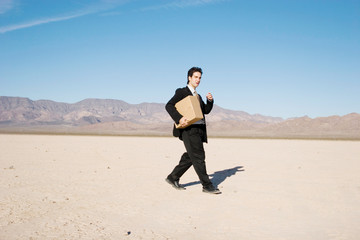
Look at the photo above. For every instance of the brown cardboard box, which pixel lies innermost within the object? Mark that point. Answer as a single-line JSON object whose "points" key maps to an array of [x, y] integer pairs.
{"points": [[189, 107]]}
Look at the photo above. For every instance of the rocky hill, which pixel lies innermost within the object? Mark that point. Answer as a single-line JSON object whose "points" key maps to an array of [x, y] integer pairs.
{"points": [[108, 116]]}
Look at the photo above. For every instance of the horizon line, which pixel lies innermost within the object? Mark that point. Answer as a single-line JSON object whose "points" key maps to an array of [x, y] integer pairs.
{"points": [[94, 98]]}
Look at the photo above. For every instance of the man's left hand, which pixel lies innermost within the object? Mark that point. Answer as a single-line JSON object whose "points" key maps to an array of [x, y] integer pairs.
{"points": [[209, 97]]}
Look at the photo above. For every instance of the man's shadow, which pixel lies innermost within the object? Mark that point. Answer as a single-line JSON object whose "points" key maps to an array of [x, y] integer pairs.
{"points": [[219, 176]]}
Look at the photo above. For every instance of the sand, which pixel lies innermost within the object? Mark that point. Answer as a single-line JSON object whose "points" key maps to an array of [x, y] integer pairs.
{"points": [[103, 187]]}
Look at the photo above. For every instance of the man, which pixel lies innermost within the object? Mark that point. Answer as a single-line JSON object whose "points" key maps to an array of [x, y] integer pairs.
{"points": [[193, 136]]}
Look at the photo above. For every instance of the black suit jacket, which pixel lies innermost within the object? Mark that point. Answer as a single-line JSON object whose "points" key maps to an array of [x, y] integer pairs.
{"points": [[181, 93]]}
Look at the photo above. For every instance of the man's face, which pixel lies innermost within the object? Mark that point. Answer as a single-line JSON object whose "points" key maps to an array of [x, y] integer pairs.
{"points": [[194, 80]]}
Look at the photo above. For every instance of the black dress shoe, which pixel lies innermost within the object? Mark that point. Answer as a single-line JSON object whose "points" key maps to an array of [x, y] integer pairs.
{"points": [[211, 190], [175, 184]]}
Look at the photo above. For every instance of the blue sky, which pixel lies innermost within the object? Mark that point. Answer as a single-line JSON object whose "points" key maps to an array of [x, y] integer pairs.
{"points": [[279, 58]]}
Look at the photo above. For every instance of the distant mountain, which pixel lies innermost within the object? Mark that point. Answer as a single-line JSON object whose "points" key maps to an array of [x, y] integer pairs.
{"points": [[25, 112], [108, 116], [333, 127]]}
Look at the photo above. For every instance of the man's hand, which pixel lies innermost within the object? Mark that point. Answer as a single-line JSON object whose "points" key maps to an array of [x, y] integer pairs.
{"points": [[209, 97], [183, 122]]}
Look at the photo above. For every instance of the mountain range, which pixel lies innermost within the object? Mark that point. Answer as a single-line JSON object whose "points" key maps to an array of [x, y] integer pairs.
{"points": [[116, 117]]}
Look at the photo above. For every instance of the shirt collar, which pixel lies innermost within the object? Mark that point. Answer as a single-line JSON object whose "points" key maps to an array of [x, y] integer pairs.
{"points": [[191, 89]]}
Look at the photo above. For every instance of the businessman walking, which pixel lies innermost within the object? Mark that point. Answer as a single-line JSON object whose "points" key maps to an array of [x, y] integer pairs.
{"points": [[193, 135]]}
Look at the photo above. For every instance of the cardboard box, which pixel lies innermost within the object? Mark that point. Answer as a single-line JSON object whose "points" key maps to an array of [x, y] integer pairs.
{"points": [[190, 108]]}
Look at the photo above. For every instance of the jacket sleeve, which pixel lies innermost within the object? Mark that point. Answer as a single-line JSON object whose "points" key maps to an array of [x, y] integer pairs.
{"points": [[170, 106], [208, 106]]}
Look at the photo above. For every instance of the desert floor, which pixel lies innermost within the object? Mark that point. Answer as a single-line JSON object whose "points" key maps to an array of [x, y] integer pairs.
{"points": [[103, 187]]}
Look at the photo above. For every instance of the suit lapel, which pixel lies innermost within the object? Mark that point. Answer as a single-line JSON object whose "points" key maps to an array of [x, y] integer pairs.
{"points": [[188, 92]]}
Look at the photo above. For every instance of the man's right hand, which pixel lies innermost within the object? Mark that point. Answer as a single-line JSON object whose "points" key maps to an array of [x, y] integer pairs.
{"points": [[183, 122]]}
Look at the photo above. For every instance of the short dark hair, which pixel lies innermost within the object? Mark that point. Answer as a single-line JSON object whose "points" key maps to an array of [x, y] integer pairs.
{"points": [[191, 72]]}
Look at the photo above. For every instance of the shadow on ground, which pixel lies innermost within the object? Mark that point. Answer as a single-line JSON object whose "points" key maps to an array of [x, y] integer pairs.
{"points": [[218, 177]]}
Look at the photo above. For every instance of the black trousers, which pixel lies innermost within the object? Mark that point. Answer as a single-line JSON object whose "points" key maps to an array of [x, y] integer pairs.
{"points": [[194, 156]]}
